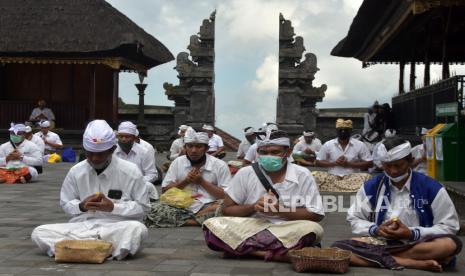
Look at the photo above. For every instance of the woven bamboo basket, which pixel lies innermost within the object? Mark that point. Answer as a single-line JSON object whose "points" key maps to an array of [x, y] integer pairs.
{"points": [[82, 251], [311, 259]]}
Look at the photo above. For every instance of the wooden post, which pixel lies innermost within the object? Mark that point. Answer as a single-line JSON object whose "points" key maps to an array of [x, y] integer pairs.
{"points": [[412, 76], [445, 62], [93, 91], [115, 96], [426, 77], [401, 78]]}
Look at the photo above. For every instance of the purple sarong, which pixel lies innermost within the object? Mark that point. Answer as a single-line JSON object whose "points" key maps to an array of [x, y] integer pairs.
{"points": [[262, 241]]}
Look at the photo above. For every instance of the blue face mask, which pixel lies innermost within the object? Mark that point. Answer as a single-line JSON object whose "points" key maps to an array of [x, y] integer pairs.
{"points": [[271, 163], [16, 138]]}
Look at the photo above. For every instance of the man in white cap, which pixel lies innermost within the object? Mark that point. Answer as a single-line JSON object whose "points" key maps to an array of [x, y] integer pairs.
{"points": [[106, 197], [18, 157], [42, 113], [177, 147], [269, 208], [215, 143], [344, 157], [405, 218], [198, 172], [130, 151], [35, 139], [251, 155], [305, 150], [250, 137], [419, 154], [51, 140]]}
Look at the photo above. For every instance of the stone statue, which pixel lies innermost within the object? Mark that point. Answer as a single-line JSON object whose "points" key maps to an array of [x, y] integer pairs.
{"points": [[194, 96], [297, 97]]}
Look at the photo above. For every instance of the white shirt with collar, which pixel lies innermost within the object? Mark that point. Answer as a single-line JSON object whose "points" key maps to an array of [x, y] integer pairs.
{"points": [[214, 171], [39, 143], [146, 145], [400, 205], [315, 145], [122, 226], [176, 148], [82, 181], [215, 143], [141, 157], [31, 153], [47, 112], [51, 137], [298, 185], [244, 146], [418, 152], [354, 151]]}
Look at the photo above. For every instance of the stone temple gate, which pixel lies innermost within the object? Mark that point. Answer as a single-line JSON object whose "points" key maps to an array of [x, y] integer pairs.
{"points": [[194, 96]]}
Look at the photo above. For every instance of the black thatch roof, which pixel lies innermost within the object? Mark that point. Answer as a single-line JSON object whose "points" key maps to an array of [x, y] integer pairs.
{"points": [[75, 29], [394, 31]]}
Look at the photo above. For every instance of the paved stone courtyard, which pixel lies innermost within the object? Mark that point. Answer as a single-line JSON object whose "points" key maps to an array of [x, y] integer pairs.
{"points": [[180, 251]]}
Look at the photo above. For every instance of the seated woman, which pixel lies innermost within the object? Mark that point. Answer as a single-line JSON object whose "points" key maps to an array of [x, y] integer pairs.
{"points": [[198, 172], [272, 207], [407, 218]]}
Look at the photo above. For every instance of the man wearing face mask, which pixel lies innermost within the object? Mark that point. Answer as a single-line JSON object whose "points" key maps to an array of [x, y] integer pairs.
{"points": [[198, 172], [266, 202], [105, 195], [344, 157], [18, 157], [133, 152], [407, 218], [250, 137]]}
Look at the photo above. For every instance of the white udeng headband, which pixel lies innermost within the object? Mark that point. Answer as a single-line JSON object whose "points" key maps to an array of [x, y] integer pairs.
{"points": [[310, 133], [283, 141], [394, 154]]}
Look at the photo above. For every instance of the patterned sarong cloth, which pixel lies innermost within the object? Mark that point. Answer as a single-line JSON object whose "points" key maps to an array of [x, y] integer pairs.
{"points": [[380, 252], [11, 176], [241, 236], [333, 183], [162, 215]]}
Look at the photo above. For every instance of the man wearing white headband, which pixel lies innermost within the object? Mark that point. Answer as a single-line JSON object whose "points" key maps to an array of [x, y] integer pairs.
{"points": [[305, 150], [265, 203], [51, 140], [408, 217], [19, 157], [105, 195], [215, 142], [251, 155], [250, 137], [133, 152], [177, 147], [345, 158], [35, 139], [203, 175]]}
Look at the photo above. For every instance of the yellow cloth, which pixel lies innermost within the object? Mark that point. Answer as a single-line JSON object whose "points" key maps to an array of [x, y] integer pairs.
{"points": [[54, 158], [341, 123], [235, 230]]}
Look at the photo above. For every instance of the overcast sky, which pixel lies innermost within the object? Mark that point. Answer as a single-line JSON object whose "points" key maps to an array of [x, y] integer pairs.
{"points": [[246, 62]]}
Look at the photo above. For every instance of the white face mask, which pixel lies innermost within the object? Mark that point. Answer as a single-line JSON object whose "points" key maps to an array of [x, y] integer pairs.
{"points": [[398, 178]]}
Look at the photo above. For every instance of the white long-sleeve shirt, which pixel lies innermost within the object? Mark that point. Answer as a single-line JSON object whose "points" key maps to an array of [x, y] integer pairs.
{"points": [[82, 181], [445, 216], [39, 143], [315, 146], [51, 137], [214, 171], [142, 159], [176, 148], [354, 151], [47, 112], [30, 152]]}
